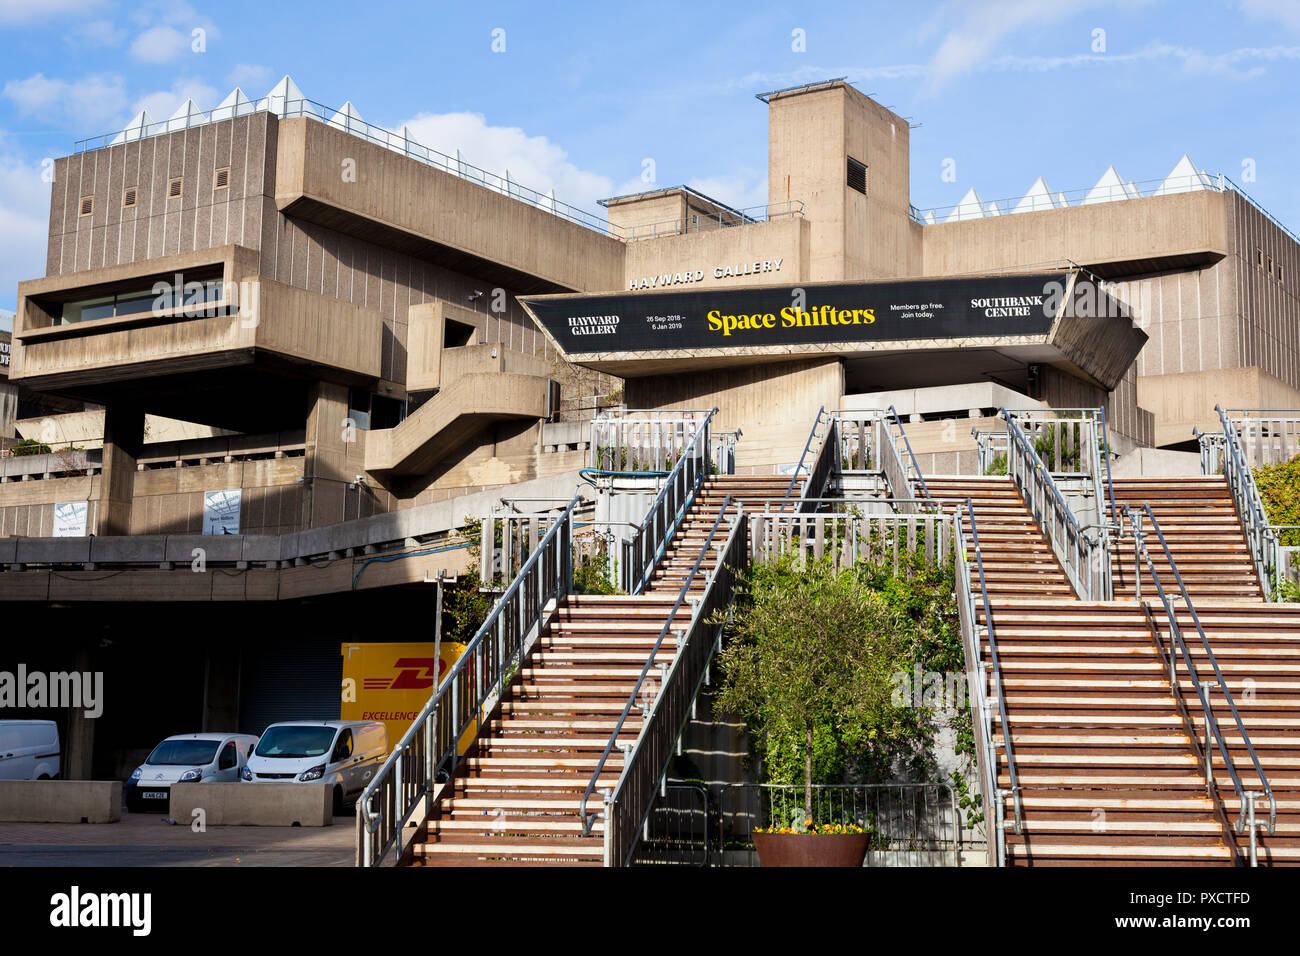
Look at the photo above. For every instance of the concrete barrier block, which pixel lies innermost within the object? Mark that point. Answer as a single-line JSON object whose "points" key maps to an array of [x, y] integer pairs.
{"points": [[254, 804], [216, 547], [261, 547], [53, 550], [60, 801], [8, 550], [131, 549]]}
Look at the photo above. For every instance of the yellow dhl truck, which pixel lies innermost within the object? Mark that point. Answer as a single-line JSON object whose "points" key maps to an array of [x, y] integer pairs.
{"points": [[391, 682]]}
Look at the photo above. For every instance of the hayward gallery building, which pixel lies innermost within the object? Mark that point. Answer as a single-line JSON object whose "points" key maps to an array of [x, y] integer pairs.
{"points": [[271, 322]]}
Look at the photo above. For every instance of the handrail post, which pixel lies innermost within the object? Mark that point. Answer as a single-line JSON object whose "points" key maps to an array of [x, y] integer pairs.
{"points": [[1254, 832]]}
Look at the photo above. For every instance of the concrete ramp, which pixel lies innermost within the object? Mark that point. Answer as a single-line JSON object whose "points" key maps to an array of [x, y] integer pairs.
{"points": [[471, 403]]}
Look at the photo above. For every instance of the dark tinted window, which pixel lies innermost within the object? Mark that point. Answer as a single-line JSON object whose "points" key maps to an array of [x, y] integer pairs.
{"points": [[295, 742], [175, 752]]}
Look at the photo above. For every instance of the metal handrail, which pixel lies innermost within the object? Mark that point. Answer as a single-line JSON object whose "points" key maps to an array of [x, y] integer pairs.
{"points": [[1246, 798], [991, 633], [653, 533], [804, 454], [893, 413], [749, 216], [478, 673], [824, 464], [1110, 481], [589, 819], [1026, 468], [1260, 536]]}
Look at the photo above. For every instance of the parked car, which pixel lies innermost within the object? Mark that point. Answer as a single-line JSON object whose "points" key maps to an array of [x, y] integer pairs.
{"points": [[343, 753], [29, 750], [187, 758]]}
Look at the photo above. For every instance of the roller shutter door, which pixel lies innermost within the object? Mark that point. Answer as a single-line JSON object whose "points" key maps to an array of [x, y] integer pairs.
{"points": [[289, 680]]}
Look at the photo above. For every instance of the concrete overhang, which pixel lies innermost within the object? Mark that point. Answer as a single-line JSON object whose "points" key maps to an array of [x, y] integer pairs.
{"points": [[338, 180], [1059, 319], [255, 348]]}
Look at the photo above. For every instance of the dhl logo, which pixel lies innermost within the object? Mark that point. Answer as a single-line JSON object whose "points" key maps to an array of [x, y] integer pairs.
{"points": [[414, 673]]}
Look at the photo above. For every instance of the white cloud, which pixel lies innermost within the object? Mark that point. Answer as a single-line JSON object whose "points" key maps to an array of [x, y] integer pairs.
{"points": [[981, 26], [160, 44], [96, 33], [533, 161], [249, 75], [169, 31], [1285, 11], [24, 225], [163, 103], [26, 11], [93, 103]]}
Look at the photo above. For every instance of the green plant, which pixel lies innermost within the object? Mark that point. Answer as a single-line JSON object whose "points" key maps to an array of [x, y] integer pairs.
{"points": [[593, 576], [809, 664], [998, 466], [1279, 491], [30, 446]]}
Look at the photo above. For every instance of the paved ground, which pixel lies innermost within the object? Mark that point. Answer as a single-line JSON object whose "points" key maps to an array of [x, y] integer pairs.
{"points": [[143, 839]]}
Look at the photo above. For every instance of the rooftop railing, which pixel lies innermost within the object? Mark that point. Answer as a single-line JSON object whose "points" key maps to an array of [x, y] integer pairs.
{"points": [[705, 222], [350, 123], [1079, 196]]}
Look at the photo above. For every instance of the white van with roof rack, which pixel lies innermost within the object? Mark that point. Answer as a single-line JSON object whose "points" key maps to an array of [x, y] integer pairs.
{"points": [[345, 754]]}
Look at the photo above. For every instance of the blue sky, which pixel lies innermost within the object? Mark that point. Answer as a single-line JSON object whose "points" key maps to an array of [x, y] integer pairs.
{"points": [[583, 93]]}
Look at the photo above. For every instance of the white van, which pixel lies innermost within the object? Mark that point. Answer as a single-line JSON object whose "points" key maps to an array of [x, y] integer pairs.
{"points": [[186, 758], [29, 750], [344, 753]]}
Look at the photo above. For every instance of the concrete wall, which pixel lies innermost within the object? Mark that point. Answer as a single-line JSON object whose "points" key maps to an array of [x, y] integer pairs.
{"points": [[254, 804], [60, 801], [1182, 402], [1132, 229], [784, 239], [810, 137], [775, 405]]}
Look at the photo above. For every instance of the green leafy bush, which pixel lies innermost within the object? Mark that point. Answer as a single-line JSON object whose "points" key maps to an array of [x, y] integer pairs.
{"points": [[810, 662], [1279, 490]]}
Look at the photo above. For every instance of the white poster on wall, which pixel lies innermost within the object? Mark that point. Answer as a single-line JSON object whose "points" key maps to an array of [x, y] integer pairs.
{"points": [[221, 511], [70, 519]]}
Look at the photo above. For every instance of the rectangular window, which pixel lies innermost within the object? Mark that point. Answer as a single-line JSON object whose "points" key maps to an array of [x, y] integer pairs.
{"points": [[1279, 272], [87, 205], [174, 187], [857, 176], [222, 178], [129, 196], [1259, 258], [139, 301], [1270, 265]]}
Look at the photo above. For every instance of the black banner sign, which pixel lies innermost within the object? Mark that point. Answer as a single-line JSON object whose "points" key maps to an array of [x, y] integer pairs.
{"points": [[813, 315]]}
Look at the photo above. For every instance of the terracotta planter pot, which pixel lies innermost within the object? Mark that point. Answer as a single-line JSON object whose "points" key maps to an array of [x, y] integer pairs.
{"points": [[811, 849]]}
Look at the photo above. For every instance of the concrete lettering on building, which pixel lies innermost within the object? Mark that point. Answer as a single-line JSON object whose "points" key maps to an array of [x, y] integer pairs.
{"points": [[728, 271], [815, 314], [4, 349]]}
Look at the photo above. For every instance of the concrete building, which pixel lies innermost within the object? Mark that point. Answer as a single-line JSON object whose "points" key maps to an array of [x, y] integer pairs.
{"points": [[277, 309]]}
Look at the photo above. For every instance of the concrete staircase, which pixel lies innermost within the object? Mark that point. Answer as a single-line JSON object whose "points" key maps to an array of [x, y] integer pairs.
{"points": [[1258, 649], [1104, 750], [1204, 534], [515, 798], [452, 417], [1018, 561]]}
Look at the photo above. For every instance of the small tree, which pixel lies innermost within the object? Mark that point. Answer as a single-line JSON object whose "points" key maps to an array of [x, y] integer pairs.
{"points": [[811, 650]]}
